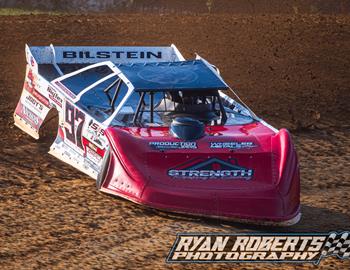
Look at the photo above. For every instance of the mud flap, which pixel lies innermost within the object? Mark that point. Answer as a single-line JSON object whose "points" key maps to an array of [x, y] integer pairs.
{"points": [[32, 107]]}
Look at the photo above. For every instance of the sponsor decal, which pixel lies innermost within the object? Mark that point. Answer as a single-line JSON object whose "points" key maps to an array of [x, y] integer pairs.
{"points": [[96, 128], [172, 145], [32, 102], [65, 90], [41, 98], [93, 155], [212, 168], [93, 152], [232, 145], [55, 97], [30, 116], [95, 133], [259, 247], [112, 54], [30, 86]]}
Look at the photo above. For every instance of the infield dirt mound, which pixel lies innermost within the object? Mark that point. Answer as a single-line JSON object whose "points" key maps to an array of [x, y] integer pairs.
{"points": [[292, 70]]}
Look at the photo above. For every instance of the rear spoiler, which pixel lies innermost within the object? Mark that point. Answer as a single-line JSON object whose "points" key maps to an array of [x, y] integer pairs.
{"points": [[95, 54]]}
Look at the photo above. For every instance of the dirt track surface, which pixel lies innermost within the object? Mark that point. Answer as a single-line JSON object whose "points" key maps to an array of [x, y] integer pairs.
{"points": [[292, 70], [189, 6]]}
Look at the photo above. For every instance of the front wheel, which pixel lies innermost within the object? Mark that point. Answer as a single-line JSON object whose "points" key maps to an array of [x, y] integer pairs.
{"points": [[104, 169]]}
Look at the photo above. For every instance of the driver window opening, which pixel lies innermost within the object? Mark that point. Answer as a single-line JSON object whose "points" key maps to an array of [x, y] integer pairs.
{"points": [[150, 108]]}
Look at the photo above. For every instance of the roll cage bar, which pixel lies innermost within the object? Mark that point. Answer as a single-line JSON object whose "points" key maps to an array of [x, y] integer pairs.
{"points": [[215, 95], [118, 83], [123, 79]]}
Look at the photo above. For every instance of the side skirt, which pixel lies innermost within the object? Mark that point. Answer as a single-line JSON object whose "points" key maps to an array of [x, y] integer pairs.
{"points": [[65, 153]]}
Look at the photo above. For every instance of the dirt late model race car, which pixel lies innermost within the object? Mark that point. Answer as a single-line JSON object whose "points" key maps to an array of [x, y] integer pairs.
{"points": [[161, 131]]}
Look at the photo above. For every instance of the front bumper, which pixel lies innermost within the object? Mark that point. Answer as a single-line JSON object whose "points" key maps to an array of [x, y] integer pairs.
{"points": [[263, 205]]}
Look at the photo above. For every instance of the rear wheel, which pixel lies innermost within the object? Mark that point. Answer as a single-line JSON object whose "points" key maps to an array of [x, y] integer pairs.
{"points": [[104, 169], [48, 129]]}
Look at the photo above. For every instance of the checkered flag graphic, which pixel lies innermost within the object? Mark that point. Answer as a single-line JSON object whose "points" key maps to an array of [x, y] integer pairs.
{"points": [[337, 244]]}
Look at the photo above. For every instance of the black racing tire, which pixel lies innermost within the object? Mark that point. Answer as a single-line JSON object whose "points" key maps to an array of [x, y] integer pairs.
{"points": [[104, 169], [48, 129]]}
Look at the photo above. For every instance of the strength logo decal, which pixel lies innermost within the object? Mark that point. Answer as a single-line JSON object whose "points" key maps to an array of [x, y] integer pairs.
{"points": [[212, 168], [255, 247]]}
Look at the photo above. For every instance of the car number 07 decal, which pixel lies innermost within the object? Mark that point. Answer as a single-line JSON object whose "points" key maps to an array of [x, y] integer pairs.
{"points": [[73, 132]]}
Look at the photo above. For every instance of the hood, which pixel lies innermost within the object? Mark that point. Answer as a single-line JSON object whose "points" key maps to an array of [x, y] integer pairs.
{"points": [[225, 158]]}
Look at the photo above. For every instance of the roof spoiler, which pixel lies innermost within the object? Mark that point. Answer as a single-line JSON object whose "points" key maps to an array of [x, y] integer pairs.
{"points": [[95, 54]]}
